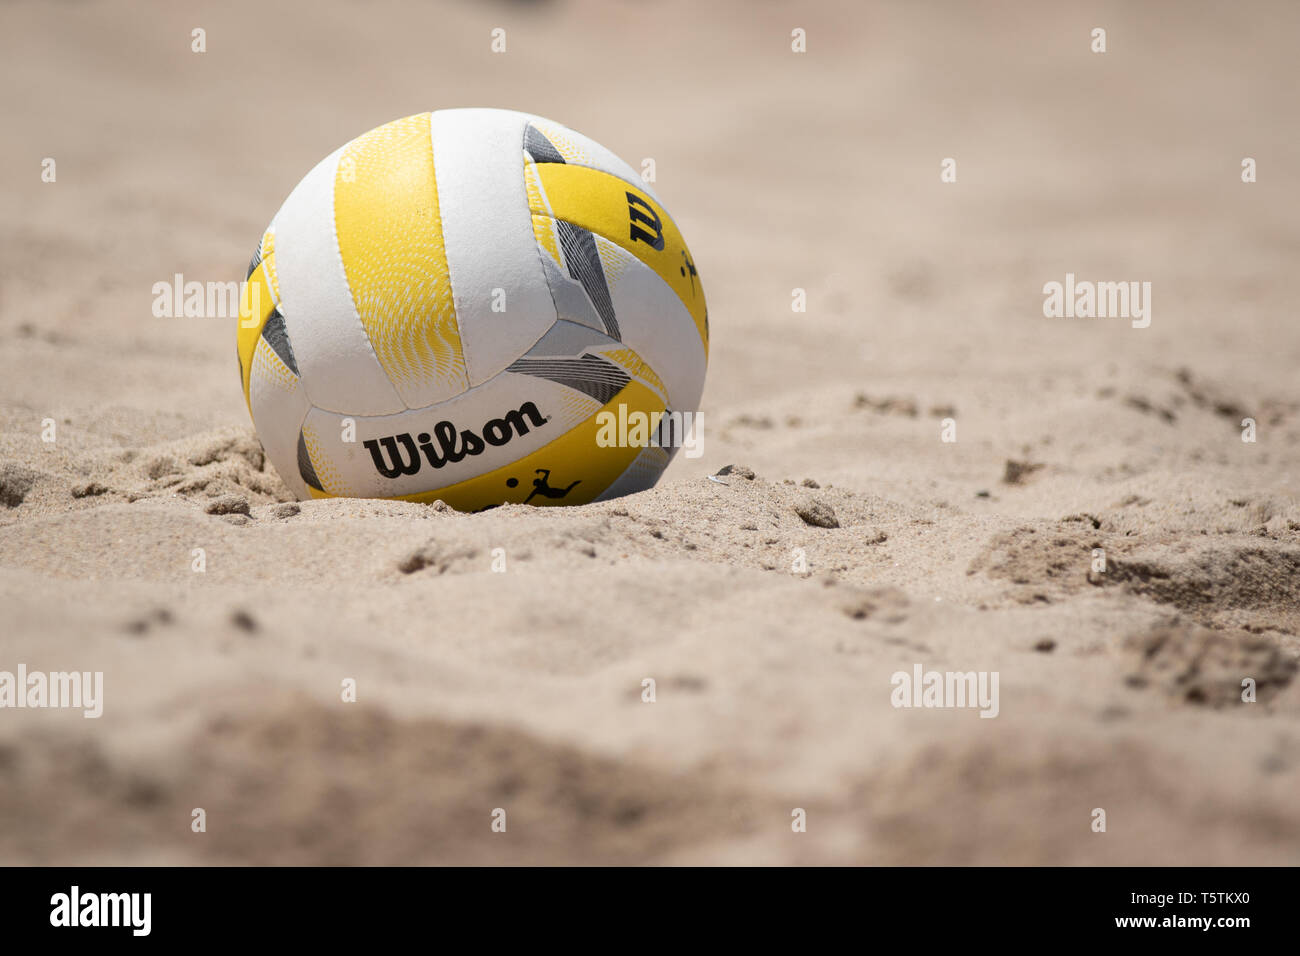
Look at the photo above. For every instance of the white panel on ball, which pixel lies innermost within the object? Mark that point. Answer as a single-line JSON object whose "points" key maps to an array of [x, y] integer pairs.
{"points": [[655, 323], [557, 409], [335, 358], [278, 404], [488, 236]]}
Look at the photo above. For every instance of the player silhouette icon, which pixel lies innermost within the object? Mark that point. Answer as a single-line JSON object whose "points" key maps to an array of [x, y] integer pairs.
{"points": [[541, 486]]}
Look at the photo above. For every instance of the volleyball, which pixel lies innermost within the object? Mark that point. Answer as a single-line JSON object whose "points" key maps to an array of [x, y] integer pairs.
{"points": [[474, 305]]}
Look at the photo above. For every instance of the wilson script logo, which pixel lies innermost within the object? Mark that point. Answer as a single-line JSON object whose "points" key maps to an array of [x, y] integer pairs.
{"points": [[400, 454]]}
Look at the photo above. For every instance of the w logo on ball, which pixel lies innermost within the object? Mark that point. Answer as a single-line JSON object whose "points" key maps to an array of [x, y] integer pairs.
{"points": [[648, 218]]}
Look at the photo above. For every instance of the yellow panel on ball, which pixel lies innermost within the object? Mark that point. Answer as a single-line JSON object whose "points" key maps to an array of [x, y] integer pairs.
{"points": [[609, 207], [390, 238]]}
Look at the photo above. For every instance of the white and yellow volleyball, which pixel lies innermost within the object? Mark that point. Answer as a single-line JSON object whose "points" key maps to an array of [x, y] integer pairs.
{"points": [[458, 305]]}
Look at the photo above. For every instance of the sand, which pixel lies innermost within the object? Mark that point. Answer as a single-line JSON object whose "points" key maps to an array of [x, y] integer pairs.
{"points": [[771, 641]]}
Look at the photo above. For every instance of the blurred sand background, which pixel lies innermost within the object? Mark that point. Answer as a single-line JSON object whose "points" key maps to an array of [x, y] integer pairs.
{"points": [[924, 301]]}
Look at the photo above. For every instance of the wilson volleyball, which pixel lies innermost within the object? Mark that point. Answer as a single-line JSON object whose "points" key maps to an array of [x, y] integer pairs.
{"points": [[479, 306]]}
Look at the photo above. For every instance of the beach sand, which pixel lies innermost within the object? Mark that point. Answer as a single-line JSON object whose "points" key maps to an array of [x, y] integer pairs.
{"points": [[771, 641]]}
